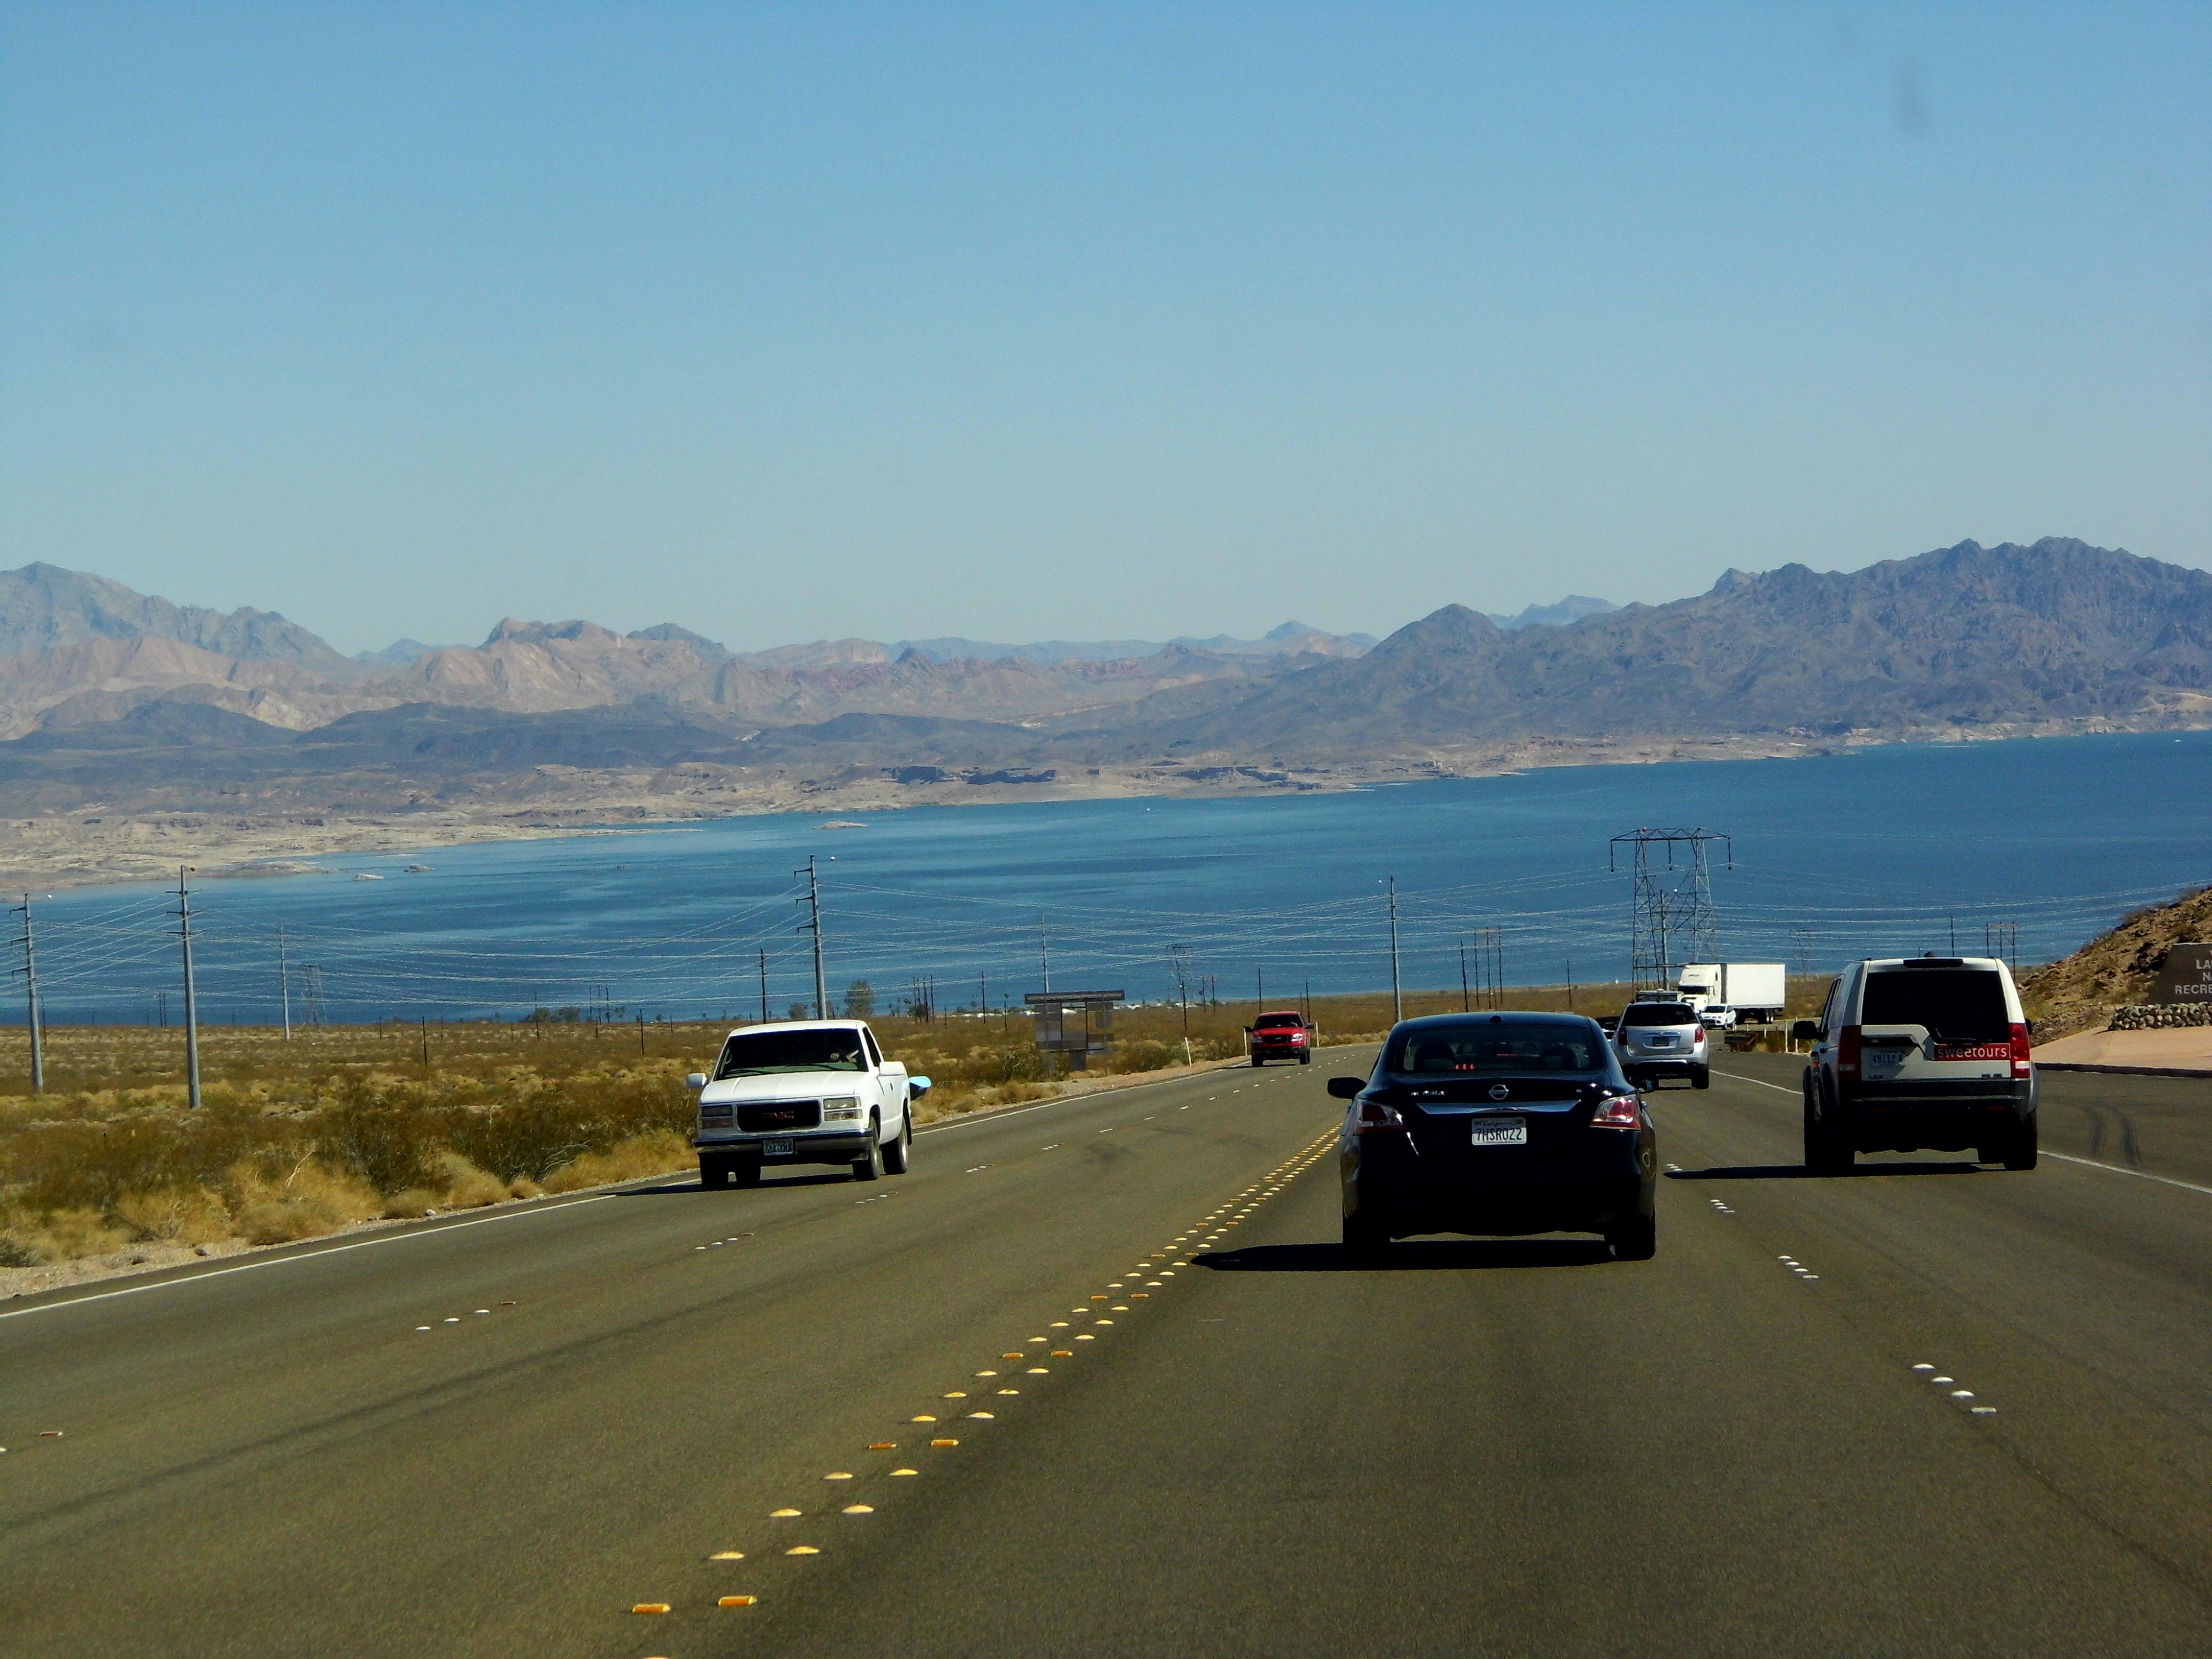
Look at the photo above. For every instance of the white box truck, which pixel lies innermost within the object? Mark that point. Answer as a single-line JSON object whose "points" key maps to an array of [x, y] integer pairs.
{"points": [[1758, 991]]}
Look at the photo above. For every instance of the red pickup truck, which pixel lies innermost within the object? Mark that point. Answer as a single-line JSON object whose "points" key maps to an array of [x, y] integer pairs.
{"points": [[1280, 1037]]}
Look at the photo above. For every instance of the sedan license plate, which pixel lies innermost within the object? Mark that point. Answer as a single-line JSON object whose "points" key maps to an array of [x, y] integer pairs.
{"points": [[779, 1147], [1501, 1132]]}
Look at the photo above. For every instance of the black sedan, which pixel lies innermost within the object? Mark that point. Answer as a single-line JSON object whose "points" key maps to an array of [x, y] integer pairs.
{"points": [[1497, 1124]]}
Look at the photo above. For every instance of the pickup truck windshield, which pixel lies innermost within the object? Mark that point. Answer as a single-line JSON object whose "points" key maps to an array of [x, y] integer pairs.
{"points": [[1278, 1022], [1443, 1051], [759, 1054]]}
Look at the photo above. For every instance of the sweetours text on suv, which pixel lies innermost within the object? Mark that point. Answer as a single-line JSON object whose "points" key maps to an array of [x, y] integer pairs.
{"points": [[1920, 1053]]}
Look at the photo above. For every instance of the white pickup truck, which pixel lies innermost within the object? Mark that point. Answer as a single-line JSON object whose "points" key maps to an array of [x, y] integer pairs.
{"points": [[807, 1091]]}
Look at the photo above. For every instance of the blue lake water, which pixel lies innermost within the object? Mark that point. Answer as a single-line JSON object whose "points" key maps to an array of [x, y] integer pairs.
{"points": [[1880, 850]]}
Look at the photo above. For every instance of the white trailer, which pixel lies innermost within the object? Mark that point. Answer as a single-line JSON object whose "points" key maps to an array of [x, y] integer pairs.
{"points": [[1758, 991]]}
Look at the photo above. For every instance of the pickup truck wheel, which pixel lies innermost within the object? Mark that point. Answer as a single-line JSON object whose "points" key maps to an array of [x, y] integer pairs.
{"points": [[713, 1173], [746, 1172], [1256, 1060], [894, 1155], [870, 1163], [1305, 1059]]}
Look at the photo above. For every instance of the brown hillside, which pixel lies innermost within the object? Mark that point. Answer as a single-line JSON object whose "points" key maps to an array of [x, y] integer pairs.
{"points": [[2079, 993]]}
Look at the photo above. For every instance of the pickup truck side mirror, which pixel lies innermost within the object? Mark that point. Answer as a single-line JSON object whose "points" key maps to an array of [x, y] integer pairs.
{"points": [[695, 1080], [1804, 1031], [1346, 1088], [917, 1086]]}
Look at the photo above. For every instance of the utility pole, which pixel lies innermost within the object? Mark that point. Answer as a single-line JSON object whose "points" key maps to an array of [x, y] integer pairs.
{"points": [[764, 979], [1260, 979], [191, 1006], [813, 926], [1570, 981], [1044, 949], [1397, 996], [31, 1004], [1179, 962], [284, 980], [1466, 1001]]}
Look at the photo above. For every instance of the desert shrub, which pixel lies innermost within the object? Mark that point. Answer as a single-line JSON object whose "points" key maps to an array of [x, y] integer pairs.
{"points": [[306, 1202], [524, 1138], [1146, 1055], [184, 1215], [655, 1152], [29, 1241], [385, 1139], [466, 1186]]}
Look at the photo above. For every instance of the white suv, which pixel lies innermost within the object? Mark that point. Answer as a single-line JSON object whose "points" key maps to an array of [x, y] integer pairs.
{"points": [[1914, 1052], [811, 1091], [1657, 1040]]}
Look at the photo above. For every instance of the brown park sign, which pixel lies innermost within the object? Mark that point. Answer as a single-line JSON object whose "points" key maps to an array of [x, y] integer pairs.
{"points": [[2185, 976]]}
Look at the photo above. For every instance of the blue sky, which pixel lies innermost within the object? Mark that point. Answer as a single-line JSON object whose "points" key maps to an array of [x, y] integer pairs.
{"points": [[1082, 321]]}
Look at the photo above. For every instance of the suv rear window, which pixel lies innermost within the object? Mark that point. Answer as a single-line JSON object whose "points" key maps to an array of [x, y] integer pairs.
{"points": [[1658, 1013], [1506, 1046], [822, 1049], [1957, 1004]]}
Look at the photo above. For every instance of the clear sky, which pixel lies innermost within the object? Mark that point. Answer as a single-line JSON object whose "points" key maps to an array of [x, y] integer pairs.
{"points": [[1066, 321]]}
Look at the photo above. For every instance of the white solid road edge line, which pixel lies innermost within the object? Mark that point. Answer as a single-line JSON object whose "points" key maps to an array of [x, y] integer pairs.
{"points": [[2063, 1157], [2140, 1174], [304, 1255]]}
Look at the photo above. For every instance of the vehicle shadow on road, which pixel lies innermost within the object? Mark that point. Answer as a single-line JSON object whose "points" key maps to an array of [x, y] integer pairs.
{"points": [[689, 1184], [1413, 1256], [1799, 1172]]}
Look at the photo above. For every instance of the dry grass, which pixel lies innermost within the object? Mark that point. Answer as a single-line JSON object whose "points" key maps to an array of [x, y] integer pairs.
{"points": [[346, 1124]]}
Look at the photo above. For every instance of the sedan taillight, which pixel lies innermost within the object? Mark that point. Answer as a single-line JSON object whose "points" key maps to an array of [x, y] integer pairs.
{"points": [[1618, 1112], [1373, 1117]]}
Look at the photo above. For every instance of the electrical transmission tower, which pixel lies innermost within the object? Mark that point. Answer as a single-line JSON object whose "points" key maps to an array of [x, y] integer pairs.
{"points": [[1672, 921]]}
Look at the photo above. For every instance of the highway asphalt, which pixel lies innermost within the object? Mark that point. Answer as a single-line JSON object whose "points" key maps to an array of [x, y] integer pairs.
{"points": [[1487, 1448]]}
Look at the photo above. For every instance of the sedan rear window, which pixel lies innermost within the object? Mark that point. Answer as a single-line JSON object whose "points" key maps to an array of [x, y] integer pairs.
{"points": [[762, 1053], [1658, 1013], [1506, 1046], [1957, 1004]]}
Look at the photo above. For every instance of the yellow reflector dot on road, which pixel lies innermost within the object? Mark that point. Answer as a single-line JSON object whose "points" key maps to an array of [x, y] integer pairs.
{"points": [[650, 1607], [860, 1509], [1064, 1354], [924, 1417], [838, 1474], [783, 1515], [1057, 1324], [802, 1549], [986, 1416], [727, 1555], [1015, 1356], [905, 1471], [737, 1600], [1010, 1391], [961, 1393], [944, 1443], [1105, 1322], [883, 1445], [1087, 1337]]}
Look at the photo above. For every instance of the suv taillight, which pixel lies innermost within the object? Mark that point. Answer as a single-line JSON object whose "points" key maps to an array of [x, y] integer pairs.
{"points": [[1847, 1050], [1698, 1035], [1373, 1117], [1618, 1112], [2022, 1052]]}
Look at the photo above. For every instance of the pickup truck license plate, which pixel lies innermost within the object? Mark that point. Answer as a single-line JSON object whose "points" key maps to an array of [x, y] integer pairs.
{"points": [[777, 1146], [1501, 1132]]}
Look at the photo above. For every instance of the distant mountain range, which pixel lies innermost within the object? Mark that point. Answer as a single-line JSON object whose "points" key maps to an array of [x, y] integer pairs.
{"points": [[109, 696]]}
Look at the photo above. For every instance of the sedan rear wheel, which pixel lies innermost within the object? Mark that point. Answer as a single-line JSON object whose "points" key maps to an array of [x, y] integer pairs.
{"points": [[1633, 1238], [1366, 1244]]}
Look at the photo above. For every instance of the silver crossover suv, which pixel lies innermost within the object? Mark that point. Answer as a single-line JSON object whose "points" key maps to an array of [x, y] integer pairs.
{"points": [[1657, 1040]]}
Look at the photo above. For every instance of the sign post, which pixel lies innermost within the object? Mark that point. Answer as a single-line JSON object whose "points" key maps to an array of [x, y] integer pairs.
{"points": [[1077, 1024]]}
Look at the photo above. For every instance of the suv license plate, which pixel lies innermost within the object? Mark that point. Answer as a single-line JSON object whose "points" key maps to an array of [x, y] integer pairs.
{"points": [[1501, 1132], [779, 1147]]}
